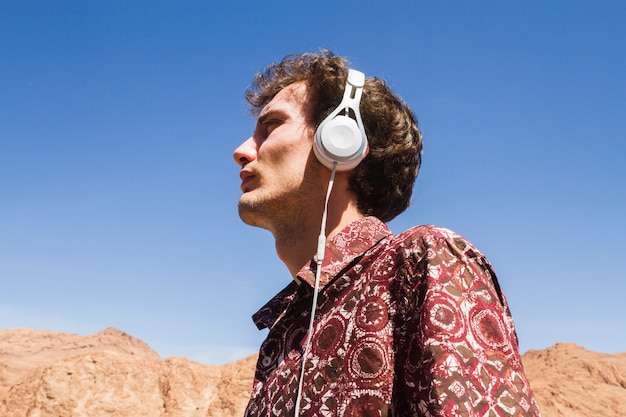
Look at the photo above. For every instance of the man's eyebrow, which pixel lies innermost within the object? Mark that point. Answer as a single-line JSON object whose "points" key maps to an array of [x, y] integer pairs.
{"points": [[271, 113], [262, 118]]}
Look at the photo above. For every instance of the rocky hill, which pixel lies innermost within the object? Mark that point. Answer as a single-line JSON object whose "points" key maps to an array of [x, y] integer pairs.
{"points": [[570, 381], [110, 373]]}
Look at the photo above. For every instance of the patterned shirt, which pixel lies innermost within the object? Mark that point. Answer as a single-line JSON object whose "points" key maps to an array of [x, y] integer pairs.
{"points": [[407, 325]]}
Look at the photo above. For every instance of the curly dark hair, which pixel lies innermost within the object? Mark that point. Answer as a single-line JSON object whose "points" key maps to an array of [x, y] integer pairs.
{"points": [[383, 181]]}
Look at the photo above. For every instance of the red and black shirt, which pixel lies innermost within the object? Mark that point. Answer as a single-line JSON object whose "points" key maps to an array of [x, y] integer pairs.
{"points": [[407, 325]]}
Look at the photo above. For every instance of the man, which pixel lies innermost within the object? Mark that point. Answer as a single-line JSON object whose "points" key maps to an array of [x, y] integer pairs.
{"points": [[403, 325]]}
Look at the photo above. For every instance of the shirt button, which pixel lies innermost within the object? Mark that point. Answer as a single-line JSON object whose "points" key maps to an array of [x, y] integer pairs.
{"points": [[266, 361]]}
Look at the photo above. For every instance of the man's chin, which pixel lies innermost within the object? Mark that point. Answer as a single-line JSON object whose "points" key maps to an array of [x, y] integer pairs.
{"points": [[247, 202], [248, 211]]}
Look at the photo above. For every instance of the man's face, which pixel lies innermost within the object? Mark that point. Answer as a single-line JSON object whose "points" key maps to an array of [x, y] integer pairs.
{"points": [[279, 172]]}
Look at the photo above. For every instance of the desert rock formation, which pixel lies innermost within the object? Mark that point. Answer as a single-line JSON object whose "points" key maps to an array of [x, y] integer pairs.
{"points": [[570, 381], [110, 373]]}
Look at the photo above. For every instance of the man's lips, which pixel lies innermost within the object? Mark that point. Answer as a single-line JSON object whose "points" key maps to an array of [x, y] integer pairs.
{"points": [[246, 178]]}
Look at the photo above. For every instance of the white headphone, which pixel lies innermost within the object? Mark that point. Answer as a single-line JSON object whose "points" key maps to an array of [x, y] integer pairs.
{"points": [[341, 139]]}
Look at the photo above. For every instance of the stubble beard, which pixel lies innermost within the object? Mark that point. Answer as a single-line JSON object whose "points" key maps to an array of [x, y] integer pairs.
{"points": [[284, 219], [290, 213]]}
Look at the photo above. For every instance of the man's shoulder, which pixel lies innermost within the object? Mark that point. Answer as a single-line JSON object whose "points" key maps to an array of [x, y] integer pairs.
{"points": [[433, 242], [423, 238], [427, 234]]}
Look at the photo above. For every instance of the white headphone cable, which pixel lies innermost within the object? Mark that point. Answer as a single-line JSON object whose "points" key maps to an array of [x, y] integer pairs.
{"points": [[321, 248]]}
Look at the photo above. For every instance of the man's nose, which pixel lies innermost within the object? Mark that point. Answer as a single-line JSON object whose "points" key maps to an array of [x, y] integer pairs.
{"points": [[246, 152]]}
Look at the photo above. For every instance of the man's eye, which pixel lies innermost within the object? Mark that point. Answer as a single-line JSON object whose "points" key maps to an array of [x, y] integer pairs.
{"points": [[271, 124]]}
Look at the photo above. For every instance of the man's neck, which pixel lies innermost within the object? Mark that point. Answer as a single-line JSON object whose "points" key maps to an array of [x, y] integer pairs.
{"points": [[297, 248]]}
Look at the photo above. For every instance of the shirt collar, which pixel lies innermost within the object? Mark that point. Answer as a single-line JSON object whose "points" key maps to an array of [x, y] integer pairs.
{"points": [[351, 242], [343, 248]]}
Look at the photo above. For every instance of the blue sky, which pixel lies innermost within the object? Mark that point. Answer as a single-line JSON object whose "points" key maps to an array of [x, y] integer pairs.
{"points": [[118, 191]]}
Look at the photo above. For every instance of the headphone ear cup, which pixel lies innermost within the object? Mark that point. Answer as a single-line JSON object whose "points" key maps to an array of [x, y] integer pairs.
{"points": [[340, 141]]}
